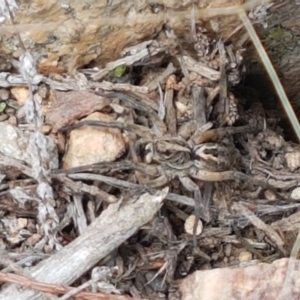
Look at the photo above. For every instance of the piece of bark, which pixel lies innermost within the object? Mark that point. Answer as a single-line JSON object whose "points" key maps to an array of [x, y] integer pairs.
{"points": [[114, 226], [199, 106], [278, 280], [66, 108], [171, 119]]}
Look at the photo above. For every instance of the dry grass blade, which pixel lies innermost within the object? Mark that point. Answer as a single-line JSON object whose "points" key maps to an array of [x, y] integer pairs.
{"points": [[141, 131], [55, 289], [128, 185]]}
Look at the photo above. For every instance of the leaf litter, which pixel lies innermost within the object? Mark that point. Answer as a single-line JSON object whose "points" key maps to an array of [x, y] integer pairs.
{"points": [[202, 179]]}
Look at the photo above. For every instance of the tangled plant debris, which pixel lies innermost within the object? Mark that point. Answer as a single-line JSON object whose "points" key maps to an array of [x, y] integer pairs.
{"points": [[143, 173]]}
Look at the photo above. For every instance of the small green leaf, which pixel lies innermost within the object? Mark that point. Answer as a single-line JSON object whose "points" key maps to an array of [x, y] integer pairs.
{"points": [[2, 107], [119, 71], [276, 33]]}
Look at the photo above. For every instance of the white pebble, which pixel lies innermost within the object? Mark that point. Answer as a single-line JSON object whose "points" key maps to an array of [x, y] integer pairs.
{"points": [[245, 256], [296, 194], [189, 225]]}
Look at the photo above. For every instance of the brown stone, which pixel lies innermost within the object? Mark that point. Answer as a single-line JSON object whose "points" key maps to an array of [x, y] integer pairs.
{"points": [[68, 107], [279, 280], [90, 145]]}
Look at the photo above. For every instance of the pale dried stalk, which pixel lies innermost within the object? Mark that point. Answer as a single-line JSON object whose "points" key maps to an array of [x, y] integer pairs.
{"points": [[289, 223], [257, 222], [79, 217], [125, 184], [194, 66], [128, 60], [40, 155], [80, 187]]}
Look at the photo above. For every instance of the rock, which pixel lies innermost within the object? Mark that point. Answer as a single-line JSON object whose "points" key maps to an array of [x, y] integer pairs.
{"points": [[96, 31], [228, 250], [15, 143], [296, 194], [261, 281], [292, 160], [89, 145], [20, 94], [4, 94], [22, 222], [189, 225], [32, 240], [3, 117], [15, 231], [245, 256]]}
